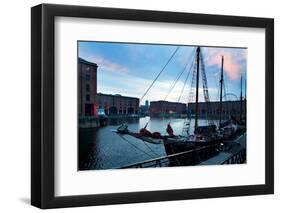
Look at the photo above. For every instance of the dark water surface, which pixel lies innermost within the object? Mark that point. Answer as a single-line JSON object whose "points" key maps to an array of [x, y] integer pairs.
{"points": [[101, 148]]}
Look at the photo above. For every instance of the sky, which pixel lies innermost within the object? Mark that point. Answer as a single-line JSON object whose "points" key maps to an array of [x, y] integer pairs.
{"points": [[129, 69]]}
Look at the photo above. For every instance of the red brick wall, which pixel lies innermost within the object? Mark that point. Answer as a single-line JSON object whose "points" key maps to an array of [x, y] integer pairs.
{"points": [[87, 87]]}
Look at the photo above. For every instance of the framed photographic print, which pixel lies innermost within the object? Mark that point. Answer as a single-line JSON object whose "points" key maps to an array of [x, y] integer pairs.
{"points": [[140, 106]]}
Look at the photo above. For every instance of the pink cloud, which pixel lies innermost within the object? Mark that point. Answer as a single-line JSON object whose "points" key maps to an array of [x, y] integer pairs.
{"points": [[232, 61], [108, 65]]}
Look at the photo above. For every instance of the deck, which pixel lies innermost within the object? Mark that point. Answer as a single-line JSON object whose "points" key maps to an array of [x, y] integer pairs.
{"points": [[233, 152]]}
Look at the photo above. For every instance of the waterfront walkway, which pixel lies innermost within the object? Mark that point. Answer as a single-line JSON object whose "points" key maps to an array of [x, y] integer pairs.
{"points": [[234, 153]]}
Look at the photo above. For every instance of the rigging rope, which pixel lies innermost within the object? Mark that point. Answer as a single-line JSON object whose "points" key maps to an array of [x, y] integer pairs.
{"points": [[178, 77], [175, 82], [191, 95], [159, 73], [189, 71], [218, 94], [158, 77], [135, 146], [206, 92], [156, 155], [225, 98]]}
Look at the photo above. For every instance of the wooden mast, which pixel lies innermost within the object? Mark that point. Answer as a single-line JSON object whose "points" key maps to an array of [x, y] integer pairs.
{"points": [[221, 84], [197, 90], [241, 99], [245, 100]]}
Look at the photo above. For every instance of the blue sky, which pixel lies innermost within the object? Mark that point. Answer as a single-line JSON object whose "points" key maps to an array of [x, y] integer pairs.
{"points": [[129, 69]]}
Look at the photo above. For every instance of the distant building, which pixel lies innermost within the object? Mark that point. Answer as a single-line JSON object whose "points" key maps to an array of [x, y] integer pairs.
{"points": [[146, 103], [165, 107], [118, 104], [87, 88], [91, 104], [144, 109], [228, 108]]}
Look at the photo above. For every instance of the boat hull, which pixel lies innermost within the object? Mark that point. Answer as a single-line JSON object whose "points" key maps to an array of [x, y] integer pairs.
{"points": [[205, 151]]}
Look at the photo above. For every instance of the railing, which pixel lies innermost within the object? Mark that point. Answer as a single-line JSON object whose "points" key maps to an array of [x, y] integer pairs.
{"points": [[191, 157], [197, 156], [237, 158]]}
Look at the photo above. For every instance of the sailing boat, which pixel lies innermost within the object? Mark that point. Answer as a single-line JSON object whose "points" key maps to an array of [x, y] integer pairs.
{"points": [[241, 121], [202, 136]]}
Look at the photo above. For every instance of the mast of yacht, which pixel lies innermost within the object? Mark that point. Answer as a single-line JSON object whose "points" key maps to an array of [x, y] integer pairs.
{"points": [[241, 99], [197, 89], [221, 86], [245, 100]]}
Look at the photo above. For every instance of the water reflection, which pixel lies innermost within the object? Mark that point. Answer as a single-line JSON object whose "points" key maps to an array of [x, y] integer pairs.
{"points": [[101, 148]]}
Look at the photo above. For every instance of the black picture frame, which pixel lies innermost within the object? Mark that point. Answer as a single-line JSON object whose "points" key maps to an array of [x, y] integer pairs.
{"points": [[43, 102]]}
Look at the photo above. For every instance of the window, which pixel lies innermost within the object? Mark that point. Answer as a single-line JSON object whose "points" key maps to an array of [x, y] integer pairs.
{"points": [[87, 97], [88, 87], [88, 77]]}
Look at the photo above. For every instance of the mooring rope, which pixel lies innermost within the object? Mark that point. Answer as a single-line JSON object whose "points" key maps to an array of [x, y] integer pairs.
{"points": [[156, 155], [135, 146]]}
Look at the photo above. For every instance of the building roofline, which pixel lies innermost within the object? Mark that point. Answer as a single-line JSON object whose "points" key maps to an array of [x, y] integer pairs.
{"points": [[162, 101], [81, 60], [117, 95], [216, 102]]}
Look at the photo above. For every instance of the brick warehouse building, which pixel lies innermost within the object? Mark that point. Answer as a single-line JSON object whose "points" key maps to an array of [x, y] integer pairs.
{"points": [[165, 107], [87, 87], [89, 101], [118, 104], [228, 108]]}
